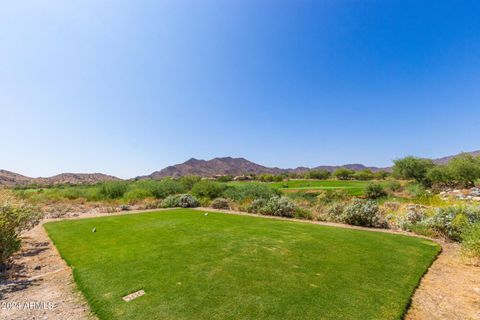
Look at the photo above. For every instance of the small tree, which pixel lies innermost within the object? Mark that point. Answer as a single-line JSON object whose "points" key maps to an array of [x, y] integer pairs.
{"points": [[464, 169], [413, 168], [318, 174], [343, 174], [381, 175], [363, 175]]}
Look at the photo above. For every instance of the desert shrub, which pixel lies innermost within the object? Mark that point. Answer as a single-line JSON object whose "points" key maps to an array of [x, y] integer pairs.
{"points": [[137, 194], [73, 193], [152, 204], [363, 175], [226, 178], [318, 174], [208, 189], [381, 175], [164, 188], [15, 216], [362, 213], [464, 169], [415, 213], [187, 182], [471, 241], [374, 191], [329, 196], [270, 178], [257, 205], [113, 189], [343, 174], [220, 203], [279, 206], [452, 221], [393, 186], [391, 205], [309, 198], [180, 201], [416, 190], [302, 213], [331, 212], [250, 191]]}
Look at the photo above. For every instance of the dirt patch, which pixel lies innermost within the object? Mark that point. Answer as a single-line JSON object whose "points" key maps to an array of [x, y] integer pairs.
{"points": [[450, 289], [39, 284]]}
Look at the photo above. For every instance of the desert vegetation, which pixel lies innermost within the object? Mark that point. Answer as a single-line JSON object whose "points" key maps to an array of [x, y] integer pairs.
{"points": [[16, 216], [407, 199]]}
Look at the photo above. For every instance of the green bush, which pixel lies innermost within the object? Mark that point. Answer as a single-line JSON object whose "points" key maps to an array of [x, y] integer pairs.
{"points": [[257, 205], [250, 191], [374, 191], [343, 174], [180, 201], [164, 188], [330, 196], [301, 213], [15, 217], [226, 178], [220, 203], [363, 175], [187, 182], [137, 194], [413, 168], [318, 174], [416, 190], [208, 189], [393, 186], [471, 241], [452, 221], [279, 206], [362, 213], [113, 189], [330, 212]]}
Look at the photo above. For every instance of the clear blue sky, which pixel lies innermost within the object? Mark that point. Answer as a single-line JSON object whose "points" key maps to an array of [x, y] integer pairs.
{"points": [[128, 87]]}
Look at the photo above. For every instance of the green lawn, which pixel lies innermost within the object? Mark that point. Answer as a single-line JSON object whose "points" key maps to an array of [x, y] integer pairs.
{"points": [[223, 266], [353, 187]]}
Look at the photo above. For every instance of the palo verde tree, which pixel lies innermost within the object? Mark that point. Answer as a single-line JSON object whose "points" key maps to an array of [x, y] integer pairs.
{"points": [[413, 168]]}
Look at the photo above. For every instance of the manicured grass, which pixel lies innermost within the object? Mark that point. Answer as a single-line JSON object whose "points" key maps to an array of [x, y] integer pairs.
{"points": [[353, 187], [223, 266]]}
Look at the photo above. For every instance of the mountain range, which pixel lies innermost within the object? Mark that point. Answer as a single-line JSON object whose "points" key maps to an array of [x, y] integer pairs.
{"points": [[234, 167], [10, 179], [204, 168]]}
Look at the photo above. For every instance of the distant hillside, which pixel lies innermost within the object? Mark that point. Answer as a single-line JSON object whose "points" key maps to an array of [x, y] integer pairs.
{"points": [[445, 160], [11, 179], [204, 168], [235, 167], [217, 166]]}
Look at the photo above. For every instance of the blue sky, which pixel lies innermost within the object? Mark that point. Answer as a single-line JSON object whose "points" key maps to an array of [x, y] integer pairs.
{"points": [[128, 87]]}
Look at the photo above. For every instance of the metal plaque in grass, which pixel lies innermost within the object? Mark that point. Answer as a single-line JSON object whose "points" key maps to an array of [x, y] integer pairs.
{"points": [[133, 296]]}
